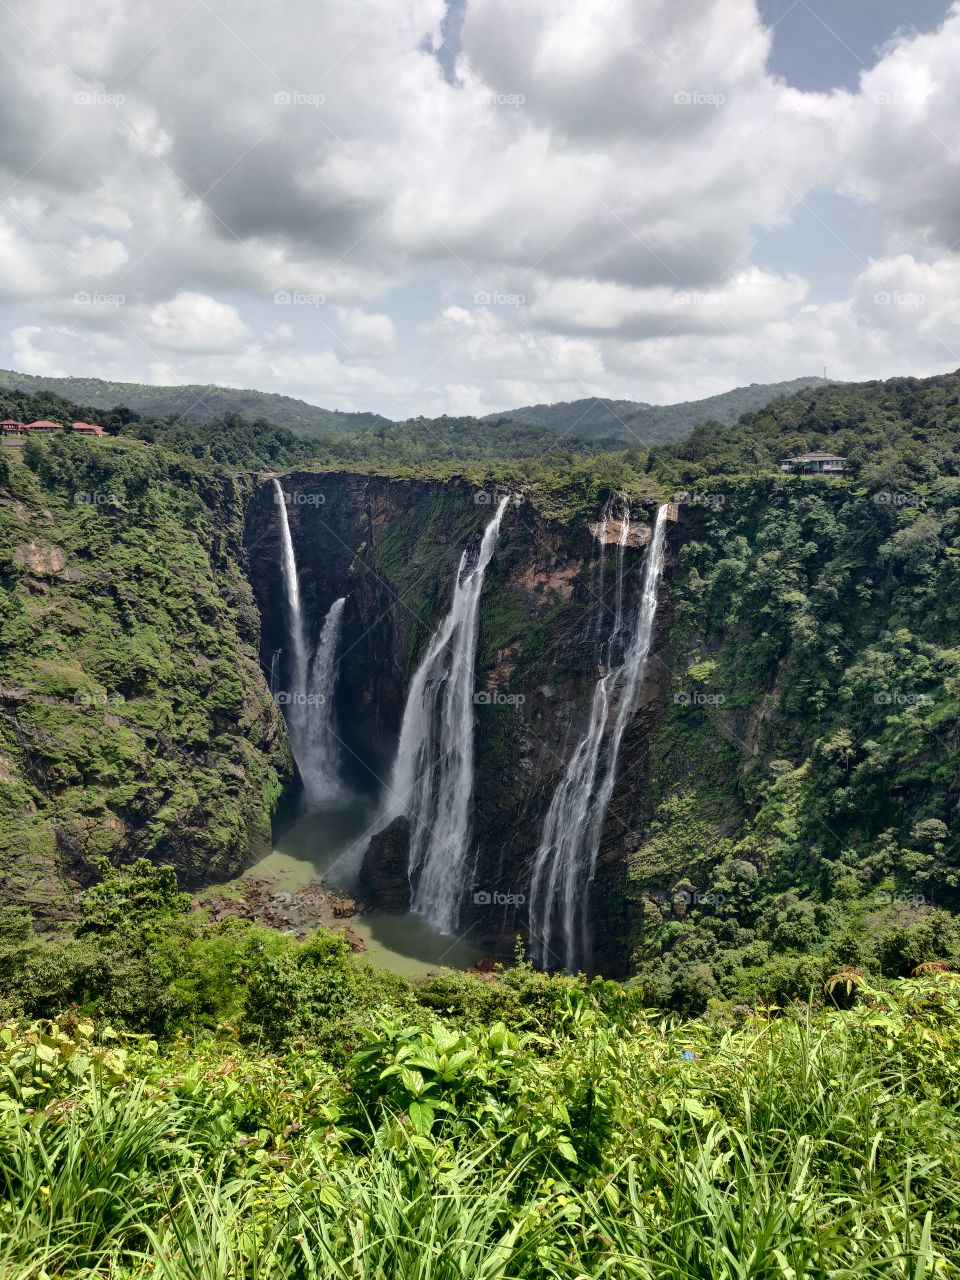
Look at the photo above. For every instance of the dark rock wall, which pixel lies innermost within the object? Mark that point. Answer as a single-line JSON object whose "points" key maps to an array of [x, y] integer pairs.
{"points": [[393, 548]]}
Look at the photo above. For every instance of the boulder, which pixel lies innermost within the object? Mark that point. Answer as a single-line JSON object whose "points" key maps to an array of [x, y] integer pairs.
{"points": [[383, 879]]}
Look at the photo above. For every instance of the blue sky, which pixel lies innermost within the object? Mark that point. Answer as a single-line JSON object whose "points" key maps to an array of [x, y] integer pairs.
{"points": [[823, 44], [413, 206]]}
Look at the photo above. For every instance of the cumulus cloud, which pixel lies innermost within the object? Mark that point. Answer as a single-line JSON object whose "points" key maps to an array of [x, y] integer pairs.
{"points": [[904, 157], [612, 165], [366, 335], [195, 322]]}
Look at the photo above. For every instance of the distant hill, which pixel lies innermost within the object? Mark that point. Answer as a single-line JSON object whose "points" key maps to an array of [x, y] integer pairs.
{"points": [[633, 422], [199, 403], [600, 422]]}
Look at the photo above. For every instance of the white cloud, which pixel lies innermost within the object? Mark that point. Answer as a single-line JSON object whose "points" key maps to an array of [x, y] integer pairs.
{"points": [[904, 157], [193, 322], [366, 335], [613, 163]]}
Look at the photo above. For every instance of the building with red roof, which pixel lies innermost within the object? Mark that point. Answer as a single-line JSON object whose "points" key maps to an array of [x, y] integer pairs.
{"points": [[88, 429]]}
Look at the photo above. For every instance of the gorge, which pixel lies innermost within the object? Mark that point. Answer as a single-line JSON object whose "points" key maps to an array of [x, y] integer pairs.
{"points": [[787, 756], [424, 855]]}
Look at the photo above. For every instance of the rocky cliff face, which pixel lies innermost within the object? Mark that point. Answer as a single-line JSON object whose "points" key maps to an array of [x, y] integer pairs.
{"points": [[134, 720], [392, 548]]}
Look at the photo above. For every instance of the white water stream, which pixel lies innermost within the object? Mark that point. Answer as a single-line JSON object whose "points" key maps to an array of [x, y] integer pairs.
{"points": [[308, 701], [432, 778], [566, 858]]}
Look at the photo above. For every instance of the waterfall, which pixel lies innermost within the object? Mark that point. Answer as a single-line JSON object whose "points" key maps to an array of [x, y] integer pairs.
{"points": [[297, 674], [308, 701], [320, 752], [566, 858], [618, 608], [597, 626], [432, 778]]}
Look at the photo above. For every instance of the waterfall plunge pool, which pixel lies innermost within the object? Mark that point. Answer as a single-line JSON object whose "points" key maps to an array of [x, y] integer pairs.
{"points": [[326, 845]]}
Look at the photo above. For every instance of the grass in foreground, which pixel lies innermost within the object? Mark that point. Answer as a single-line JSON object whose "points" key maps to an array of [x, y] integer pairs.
{"points": [[793, 1146]]}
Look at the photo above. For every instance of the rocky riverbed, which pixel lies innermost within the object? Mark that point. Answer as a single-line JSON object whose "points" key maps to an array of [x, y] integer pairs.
{"points": [[288, 911]]}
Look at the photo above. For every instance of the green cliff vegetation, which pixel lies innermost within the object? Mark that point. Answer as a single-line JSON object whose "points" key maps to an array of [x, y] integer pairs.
{"points": [[133, 718], [802, 806]]}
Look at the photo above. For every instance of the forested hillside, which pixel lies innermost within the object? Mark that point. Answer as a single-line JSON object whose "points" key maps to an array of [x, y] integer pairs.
{"points": [[133, 716], [195, 403], [636, 423], [519, 432]]}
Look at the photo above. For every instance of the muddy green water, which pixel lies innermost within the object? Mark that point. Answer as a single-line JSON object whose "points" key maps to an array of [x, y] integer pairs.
{"points": [[328, 846]]}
